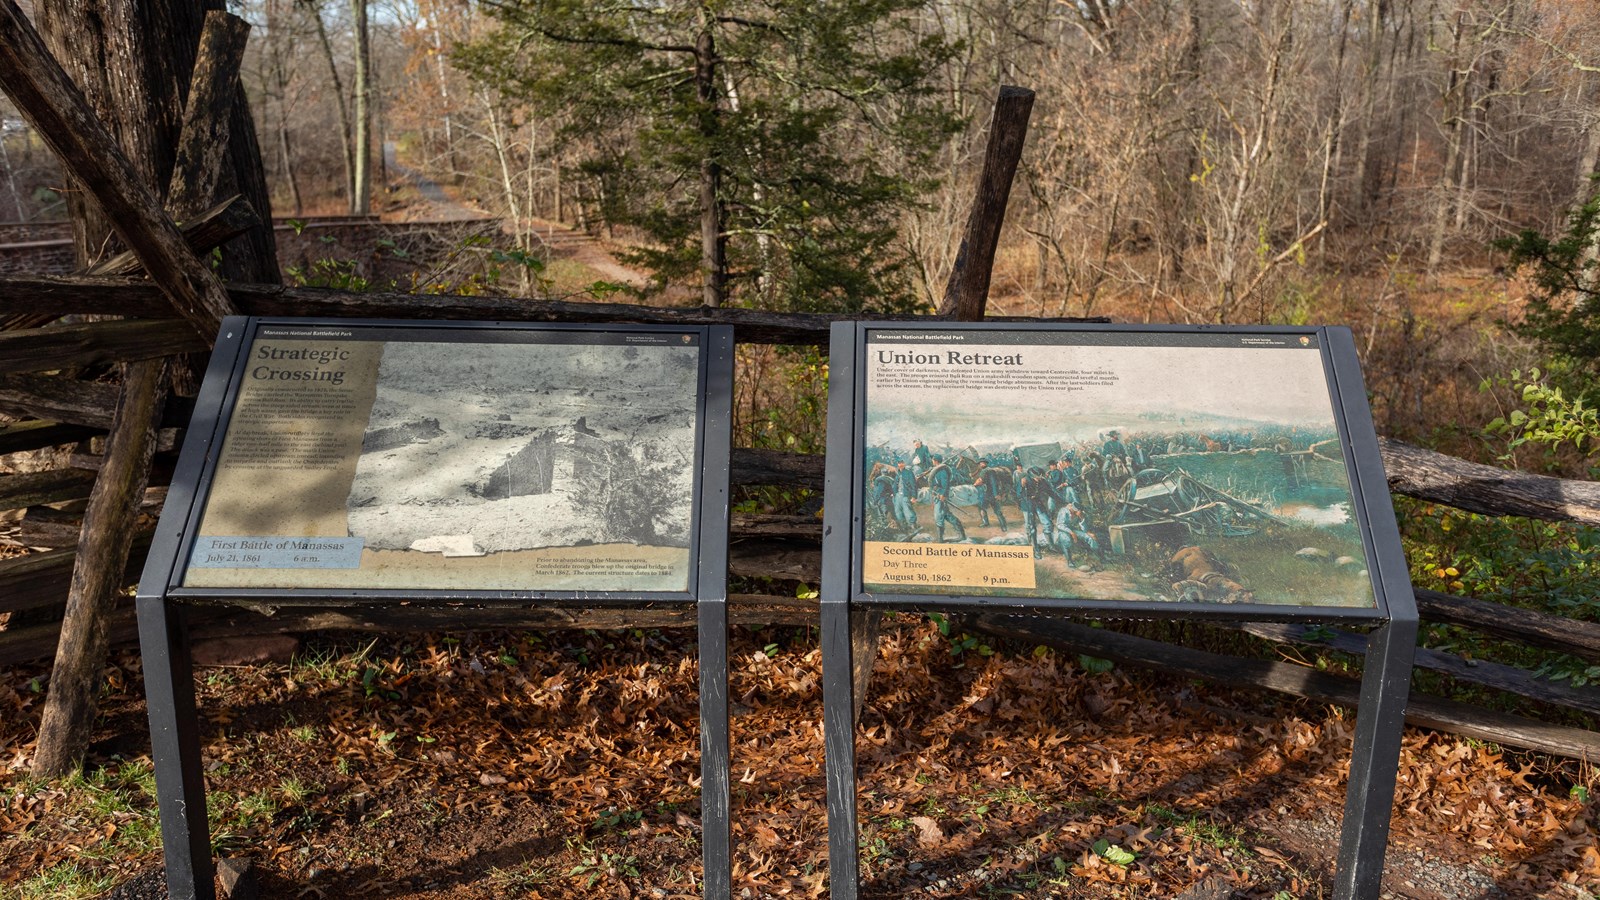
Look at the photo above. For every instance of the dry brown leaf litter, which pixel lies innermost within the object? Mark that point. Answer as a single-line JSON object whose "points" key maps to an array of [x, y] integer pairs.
{"points": [[566, 765]]}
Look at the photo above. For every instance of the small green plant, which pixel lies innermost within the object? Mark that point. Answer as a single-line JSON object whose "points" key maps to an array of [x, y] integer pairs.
{"points": [[374, 687], [68, 881], [327, 272], [614, 819], [598, 864], [1548, 418], [1201, 830], [1094, 665], [294, 790], [1113, 853], [961, 643], [524, 877]]}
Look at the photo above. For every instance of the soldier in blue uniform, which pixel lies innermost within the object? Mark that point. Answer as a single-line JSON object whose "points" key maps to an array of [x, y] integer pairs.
{"points": [[939, 488], [990, 483], [1072, 528], [1034, 495], [921, 458], [879, 494], [905, 491]]}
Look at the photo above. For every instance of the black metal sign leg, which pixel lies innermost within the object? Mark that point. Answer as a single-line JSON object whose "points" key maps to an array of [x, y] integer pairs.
{"points": [[715, 801], [839, 749], [175, 747], [1380, 721]]}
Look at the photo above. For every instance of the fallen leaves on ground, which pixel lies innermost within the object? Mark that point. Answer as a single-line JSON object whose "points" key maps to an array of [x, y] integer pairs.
{"points": [[567, 765]]}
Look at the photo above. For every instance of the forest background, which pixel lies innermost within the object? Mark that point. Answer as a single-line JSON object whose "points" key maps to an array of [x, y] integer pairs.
{"points": [[1275, 161], [1283, 161], [1420, 170]]}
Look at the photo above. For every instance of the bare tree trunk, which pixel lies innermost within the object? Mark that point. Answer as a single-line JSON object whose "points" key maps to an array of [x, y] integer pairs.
{"points": [[1333, 142], [280, 81], [444, 95], [713, 243], [361, 172], [1455, 110], [338, 95], [500, 138], [1373, 137], [11, 181]]}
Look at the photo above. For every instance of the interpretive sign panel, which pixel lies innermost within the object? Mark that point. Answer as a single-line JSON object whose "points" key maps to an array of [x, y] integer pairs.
{"points": [[1193, 467], [463, 463], [1058, 469], [373, 456]]}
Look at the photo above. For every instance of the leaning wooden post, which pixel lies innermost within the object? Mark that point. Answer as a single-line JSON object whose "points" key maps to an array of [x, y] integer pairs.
{"points": [[967, 292], [203, 143], [103, 546], [966, 296]]}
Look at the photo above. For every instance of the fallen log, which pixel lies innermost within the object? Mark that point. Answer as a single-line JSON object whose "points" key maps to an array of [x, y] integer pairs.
{"points": [[1299, 681], [20, 437], [751, 467], [38, 642], [82, 403], [45, 527]]}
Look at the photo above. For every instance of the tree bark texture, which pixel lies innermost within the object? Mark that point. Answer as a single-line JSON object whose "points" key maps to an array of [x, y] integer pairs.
{"points": [[103, 549], [203, 140], [133, 60], [74, 346], [1474, 487], [967, 292], [202, 232], [45, 94], [713, 244]]}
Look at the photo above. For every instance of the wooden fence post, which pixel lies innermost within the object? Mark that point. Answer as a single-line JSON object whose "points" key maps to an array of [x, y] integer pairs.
{"points": [[103, 547], [967, 293]]}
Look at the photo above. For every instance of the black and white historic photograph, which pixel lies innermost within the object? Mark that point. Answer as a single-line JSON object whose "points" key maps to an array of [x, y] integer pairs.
{"points": [[474, 449]]}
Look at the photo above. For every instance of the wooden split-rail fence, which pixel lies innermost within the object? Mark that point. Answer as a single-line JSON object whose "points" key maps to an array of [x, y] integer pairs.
{"points": [[121, 436], [55, 410]]}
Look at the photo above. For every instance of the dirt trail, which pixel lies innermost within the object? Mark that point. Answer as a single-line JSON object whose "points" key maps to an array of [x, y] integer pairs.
{"points": [[567, 243], [438, 204]]}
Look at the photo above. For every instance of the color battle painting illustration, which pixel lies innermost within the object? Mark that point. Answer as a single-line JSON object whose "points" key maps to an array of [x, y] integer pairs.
{"points": [[1184, 467]]}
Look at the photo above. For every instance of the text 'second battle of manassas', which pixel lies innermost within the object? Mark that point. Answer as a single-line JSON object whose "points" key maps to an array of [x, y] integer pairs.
{"points": [[1178, 466]]}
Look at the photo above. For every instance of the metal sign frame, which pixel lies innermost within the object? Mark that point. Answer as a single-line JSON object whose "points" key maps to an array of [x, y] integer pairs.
{"points": [[1391, 643], [162, 597]]}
